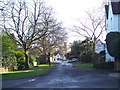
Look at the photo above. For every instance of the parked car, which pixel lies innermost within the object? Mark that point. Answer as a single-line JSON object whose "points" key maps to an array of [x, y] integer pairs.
{"points": [[73, 60]]}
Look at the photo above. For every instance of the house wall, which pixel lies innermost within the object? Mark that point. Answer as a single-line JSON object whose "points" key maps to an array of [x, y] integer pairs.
{"points": [[112, 21], [119, 23]]}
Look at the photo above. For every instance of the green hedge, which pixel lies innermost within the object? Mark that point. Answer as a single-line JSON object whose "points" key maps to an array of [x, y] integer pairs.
{"points": [[107, 65]]}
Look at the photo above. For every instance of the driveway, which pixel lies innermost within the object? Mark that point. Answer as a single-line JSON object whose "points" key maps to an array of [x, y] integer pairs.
{"points": [[65, 75]]}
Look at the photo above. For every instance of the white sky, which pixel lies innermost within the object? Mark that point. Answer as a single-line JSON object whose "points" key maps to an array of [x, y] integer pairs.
{"points": [[68, 11]]}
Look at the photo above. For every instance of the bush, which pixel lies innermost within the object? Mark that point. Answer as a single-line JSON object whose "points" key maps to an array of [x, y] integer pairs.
{"points": [[20, 59], [32, 59], [86, 58], [107, 65], [113, 44], [41, 59], [99, 57], [10, 63], [21, 65]]}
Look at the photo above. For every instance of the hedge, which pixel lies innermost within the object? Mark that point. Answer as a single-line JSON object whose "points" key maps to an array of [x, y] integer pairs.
{"points": [[107, 65]]}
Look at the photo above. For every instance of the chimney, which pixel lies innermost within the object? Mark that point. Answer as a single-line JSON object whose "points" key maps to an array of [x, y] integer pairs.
{"points": [[105, 2]]}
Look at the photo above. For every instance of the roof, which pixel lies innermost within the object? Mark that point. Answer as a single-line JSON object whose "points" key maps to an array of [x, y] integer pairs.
{"points": [[100, 42], [116, 7]]}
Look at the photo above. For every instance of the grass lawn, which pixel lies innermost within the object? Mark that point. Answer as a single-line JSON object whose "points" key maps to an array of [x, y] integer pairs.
{"points": [[35, 71], [84, 65]]}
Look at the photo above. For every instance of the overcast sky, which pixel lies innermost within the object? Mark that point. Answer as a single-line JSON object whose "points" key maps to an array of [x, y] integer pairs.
{"points": [[68, 11]]}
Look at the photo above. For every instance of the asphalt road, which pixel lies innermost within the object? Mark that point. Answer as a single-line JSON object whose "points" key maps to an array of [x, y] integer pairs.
{"points": [[65, 75]]}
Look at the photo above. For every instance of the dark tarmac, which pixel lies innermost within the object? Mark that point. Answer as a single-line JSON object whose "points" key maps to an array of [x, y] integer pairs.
{"points": [[65, 75]]}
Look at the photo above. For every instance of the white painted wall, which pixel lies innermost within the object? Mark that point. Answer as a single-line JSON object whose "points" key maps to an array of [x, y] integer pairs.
{"points": [[119, 23], [112, 23]]}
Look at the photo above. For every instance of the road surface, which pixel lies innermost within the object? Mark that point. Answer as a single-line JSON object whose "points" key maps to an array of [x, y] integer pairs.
{"points": [[65, 75]]}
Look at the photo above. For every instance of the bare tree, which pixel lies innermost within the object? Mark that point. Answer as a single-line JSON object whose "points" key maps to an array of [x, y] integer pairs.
{"points": [[55, 35], [92, 27], [24, 23]]}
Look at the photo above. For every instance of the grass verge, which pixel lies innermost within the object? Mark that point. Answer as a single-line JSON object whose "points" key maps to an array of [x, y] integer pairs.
{"points": [[35, 71], [84, 65]]}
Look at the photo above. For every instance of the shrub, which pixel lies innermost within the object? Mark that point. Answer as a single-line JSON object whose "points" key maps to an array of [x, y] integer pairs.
{"points": [[113, 44], [20, 59], [107, 65], [86, 58], [41, 59], [10, 63], [32, 59], [99, 57]]}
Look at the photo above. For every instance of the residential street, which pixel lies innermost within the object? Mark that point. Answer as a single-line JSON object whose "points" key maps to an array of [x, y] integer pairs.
{"points": [[65, 75]]}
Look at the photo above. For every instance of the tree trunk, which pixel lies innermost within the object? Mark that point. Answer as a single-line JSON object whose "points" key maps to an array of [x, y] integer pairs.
{"points": [[27, 65], [117, 64], [49, 59], [93, 50], [44, 49], [45, 55]]}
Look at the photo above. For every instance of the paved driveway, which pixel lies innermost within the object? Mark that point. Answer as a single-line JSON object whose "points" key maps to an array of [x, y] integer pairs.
{"points": [[65, 75]]}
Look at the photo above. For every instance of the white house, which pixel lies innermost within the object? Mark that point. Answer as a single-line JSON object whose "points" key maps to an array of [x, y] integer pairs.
{"points": [[57, 57], [112, 10], [100, 46]]}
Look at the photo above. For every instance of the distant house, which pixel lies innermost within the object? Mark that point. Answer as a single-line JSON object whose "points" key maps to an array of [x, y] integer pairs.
{"points": [[100, 46], [112, 10], [57, 57], [99, 49]]}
